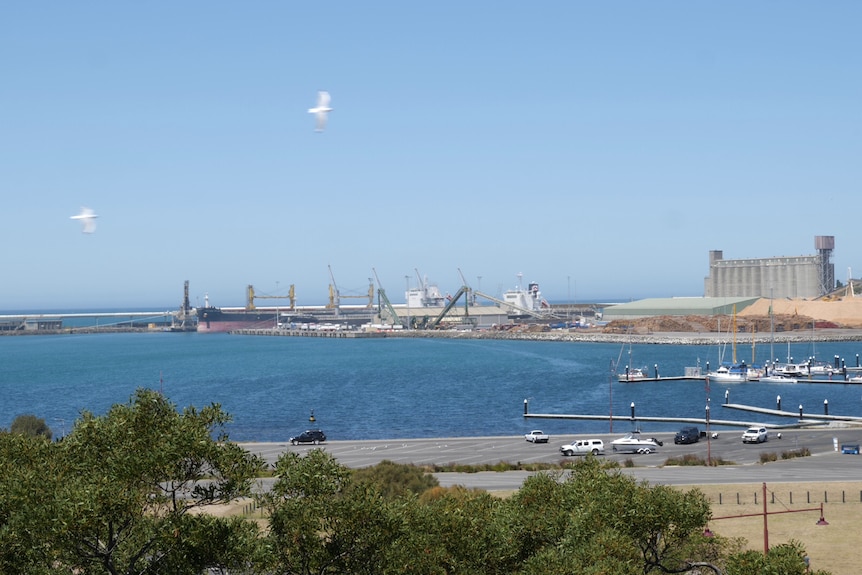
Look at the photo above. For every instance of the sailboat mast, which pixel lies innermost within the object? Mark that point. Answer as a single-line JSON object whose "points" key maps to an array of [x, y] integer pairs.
{"points": [[734, 334]]}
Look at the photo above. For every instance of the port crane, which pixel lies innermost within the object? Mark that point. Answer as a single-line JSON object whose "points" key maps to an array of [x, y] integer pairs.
{"points": [[463, 291], [383, 303], [511, 306], [251, 296], [335, 294]]}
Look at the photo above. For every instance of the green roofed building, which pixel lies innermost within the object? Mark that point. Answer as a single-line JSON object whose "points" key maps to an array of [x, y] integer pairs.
{"points": [[679, 306]]}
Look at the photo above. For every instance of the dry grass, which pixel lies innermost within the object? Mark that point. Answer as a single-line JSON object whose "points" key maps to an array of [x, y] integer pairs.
{"points": [[833, 547]]}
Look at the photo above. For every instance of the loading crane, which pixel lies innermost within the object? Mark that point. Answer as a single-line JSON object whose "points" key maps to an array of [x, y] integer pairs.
{"points": [[383, 303], [251, 296], [511, 306], [335, 294], [462, 291], [472, 292]]}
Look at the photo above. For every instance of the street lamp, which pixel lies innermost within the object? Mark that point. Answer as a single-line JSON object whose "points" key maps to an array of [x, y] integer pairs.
{"points": [[407, 294], [708, 438], [765, 514]]}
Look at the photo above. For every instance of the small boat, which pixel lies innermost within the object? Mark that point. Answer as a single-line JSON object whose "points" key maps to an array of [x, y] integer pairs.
{"points": [[813, 366], [633, 374], [633, 442], [777, 378], [788, 369], [726, 375]]}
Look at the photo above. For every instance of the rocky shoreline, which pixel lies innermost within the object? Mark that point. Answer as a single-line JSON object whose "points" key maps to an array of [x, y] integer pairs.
{"points": [[657, 338]]}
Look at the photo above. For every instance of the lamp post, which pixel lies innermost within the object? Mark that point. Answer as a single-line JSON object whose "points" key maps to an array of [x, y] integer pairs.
{"points": [[708, 438], [765, 514], [407, 297]]}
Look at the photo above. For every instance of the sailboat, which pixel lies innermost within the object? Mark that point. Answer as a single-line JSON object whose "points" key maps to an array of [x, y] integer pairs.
{"points": [[631, 373], [773, 376], [731, 373]]}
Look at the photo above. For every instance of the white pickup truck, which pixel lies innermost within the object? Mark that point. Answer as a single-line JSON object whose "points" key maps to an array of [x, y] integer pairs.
{"points": [[583, 447], [537, 436]]}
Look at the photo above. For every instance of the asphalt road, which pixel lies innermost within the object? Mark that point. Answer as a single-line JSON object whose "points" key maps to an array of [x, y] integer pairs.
{"points": [[824, 464]]}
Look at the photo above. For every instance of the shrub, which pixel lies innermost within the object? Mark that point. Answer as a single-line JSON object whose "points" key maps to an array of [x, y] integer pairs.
{"points": [[801, 452], [395, 479], [768, 457], [32, 426]]}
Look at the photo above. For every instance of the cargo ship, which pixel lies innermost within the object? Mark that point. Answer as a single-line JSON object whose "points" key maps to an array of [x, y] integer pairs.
{"points": [[215, 319]]}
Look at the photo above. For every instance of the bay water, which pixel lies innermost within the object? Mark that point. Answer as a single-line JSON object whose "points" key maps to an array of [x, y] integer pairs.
{"points": [[392, 387]]}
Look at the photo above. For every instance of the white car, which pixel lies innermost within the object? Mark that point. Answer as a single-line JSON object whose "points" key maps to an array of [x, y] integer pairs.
{"points": [[755, 435], [537, 436], [583, 447]]}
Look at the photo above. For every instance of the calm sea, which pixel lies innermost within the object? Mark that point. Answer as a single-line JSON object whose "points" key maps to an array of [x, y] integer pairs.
{"points": [[385, 388]]}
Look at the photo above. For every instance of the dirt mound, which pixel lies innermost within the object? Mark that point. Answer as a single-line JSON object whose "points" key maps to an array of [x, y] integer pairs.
{"points": [[788, 315]]}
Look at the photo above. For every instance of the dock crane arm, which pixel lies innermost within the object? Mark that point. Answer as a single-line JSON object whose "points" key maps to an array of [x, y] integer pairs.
{"points": [[464, 290], [383, 302], [513, 306]]}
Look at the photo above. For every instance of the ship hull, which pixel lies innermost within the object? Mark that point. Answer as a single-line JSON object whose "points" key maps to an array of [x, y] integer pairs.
{"points": [[214, 320]]}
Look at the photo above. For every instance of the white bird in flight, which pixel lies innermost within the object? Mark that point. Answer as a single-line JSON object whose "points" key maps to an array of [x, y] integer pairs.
{"points": [[88, 220], [321, 110]]}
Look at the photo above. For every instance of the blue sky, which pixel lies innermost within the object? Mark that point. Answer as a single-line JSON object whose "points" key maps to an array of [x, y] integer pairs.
{"points": [[601, 149]]}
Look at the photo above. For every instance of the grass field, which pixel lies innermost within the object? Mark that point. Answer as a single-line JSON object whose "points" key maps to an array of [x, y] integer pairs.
{"points": [[836, 547]]}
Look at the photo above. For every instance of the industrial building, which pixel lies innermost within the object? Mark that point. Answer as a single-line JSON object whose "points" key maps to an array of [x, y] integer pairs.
{"points": [[677, 306], [800, 277]]}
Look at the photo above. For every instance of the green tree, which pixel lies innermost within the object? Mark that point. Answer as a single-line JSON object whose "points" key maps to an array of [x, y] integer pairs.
{"points": [[28, 424], [457, 530], [123, 488], [599, 520], [323, 522], [783, 559], [28, 481]]}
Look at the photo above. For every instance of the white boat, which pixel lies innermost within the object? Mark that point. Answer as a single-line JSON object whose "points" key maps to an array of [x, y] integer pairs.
{"points": [[787, 370], [725, 375], [813, 366], [633, 374], [777, 379], [633, 442]]}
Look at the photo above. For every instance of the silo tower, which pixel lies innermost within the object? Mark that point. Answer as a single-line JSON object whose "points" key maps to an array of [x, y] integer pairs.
{"points": [[824, 246]]}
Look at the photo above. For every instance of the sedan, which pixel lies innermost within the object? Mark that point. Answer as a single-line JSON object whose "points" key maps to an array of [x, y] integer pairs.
{"points": [[754, 435]]}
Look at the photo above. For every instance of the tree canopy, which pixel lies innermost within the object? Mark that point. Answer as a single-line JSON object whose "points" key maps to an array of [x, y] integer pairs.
{"points": [[127, 492]]}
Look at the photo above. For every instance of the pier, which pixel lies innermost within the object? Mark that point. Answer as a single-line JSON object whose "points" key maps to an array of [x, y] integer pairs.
{"points": [[348, 334], [802, 419]]}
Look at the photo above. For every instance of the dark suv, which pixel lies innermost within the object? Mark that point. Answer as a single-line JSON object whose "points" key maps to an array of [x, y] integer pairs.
{"points": [[314, 436], [687, 435]]}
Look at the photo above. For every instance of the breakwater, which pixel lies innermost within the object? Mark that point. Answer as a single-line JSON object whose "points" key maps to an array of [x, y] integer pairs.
{"points": [[587, 336]]}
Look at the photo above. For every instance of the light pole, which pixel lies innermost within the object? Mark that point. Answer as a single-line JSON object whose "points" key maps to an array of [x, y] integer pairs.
{"points": [[407, 296], [708, 438], [765, 514], [62, 425]]}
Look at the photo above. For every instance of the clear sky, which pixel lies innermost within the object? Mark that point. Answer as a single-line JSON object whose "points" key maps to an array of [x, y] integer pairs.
{"points": [[598, 148]]}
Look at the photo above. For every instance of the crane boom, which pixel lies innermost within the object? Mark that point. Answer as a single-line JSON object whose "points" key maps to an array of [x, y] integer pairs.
{"points": [[512, 306], [464, 290], [384, 303]]}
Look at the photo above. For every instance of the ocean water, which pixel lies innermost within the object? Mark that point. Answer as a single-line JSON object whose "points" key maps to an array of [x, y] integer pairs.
{"points": [[387, 388]]}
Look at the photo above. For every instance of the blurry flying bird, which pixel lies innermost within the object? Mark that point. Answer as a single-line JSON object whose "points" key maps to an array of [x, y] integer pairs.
{"points": [[321, 110], [87, 218]]}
